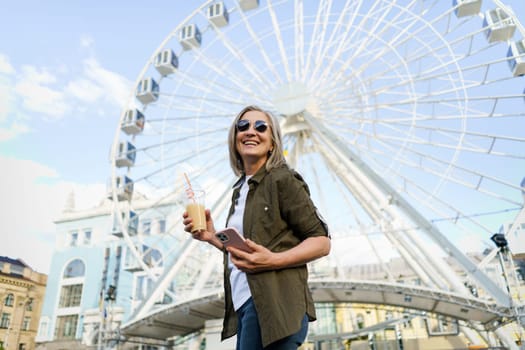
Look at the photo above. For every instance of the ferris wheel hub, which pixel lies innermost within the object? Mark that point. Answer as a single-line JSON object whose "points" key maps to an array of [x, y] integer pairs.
{"points": [[291, 98]]}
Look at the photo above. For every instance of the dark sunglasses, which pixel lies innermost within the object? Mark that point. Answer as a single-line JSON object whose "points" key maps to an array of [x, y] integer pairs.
{"points": [[259, 126]]}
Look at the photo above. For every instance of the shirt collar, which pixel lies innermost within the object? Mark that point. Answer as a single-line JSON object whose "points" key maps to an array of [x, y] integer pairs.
{"points": [[257, 177]]}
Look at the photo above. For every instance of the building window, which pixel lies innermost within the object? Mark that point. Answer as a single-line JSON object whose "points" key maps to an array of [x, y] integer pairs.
{"points": [[22, 347], [9, 300], [29, 305], [66, 327], [73, 238], [43, 327], [87, 237], [162, 225], [146, 227], [5, 320], [75, 268], [70, 295], [26, 323], [17, 270]]}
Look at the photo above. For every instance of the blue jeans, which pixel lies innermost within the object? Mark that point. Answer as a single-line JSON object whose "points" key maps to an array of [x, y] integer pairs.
{"points": [[249, 331]]}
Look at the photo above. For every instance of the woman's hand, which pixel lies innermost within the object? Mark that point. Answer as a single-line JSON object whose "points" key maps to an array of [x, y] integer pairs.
{"points": [[262, 259], [207, 235]]}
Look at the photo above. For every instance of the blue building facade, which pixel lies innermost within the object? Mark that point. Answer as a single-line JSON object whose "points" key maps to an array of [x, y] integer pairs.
{"points": [[95, 282]]}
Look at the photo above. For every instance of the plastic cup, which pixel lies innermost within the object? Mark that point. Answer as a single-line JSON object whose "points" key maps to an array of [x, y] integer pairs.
{"points": [[195, 209]]}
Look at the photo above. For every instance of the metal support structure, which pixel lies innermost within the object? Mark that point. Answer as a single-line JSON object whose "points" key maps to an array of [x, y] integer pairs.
{"points": [[381, 186]]}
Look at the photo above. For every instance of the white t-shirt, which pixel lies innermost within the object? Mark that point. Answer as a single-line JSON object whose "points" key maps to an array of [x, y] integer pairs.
{"points": [[239, 283]]}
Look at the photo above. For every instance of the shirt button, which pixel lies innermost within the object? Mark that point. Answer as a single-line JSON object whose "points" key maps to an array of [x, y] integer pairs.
{"points": [[265, 208]]}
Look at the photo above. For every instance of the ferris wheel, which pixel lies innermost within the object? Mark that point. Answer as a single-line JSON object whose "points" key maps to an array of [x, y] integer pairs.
{"points": [[405, 118]]}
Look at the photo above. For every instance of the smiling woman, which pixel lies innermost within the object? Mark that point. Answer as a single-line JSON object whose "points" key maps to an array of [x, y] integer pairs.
{"points": [[281, 239]]}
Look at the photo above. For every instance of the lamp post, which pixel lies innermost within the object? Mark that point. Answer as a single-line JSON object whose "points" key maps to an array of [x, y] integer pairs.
{"points": [[503, 249]]}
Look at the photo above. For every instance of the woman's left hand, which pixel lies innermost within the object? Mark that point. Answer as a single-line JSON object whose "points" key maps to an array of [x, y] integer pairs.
{"points": [[260, 259]]}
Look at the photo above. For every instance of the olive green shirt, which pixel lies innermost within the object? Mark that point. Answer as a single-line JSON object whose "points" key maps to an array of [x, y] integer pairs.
{"points": [[279, 214]]}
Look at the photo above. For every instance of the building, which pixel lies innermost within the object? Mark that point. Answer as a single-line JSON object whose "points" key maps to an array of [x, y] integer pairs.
{"points": [[21, 294], [95, 281]]}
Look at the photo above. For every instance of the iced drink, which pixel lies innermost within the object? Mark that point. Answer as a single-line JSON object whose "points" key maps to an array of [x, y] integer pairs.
{"points": [[195, 209]]}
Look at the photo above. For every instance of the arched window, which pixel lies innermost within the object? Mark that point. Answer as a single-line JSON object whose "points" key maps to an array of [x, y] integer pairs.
{"points": [[9, 300], [76, 268], [70, 300]]}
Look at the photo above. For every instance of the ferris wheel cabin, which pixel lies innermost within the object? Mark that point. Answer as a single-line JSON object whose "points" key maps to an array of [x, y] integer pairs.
{"points": [[126, 154], [248, 4], [466, 7], [133, 122], [166, 62], [499, 25], [130, 221], [190, 37], [218, 15], [124, 186], [147, 91], [516, 54]]}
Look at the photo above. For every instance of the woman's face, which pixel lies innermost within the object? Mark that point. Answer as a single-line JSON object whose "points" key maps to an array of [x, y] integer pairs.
{"points": [[253, 145]]}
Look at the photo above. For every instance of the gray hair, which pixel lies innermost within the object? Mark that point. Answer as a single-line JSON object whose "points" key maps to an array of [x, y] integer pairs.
{"points": [[275, 158]]}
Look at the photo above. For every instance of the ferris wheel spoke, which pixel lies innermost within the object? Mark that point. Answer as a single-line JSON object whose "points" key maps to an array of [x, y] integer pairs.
{"points": [[423, 158], [213, 88], [338, 38], [279, 40], [261, 50], [346, 43], [237, 53], [239, 81], [298, 38]]}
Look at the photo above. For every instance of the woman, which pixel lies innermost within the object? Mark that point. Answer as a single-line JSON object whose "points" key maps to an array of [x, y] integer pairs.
{"points": [[268, 303]]}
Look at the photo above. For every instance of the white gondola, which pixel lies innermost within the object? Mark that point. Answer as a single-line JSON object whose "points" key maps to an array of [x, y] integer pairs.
{"points": [[133, 122], [130, 220], [124, 186], [217, 14], [190, 37], [147, 91], [248, 4], [166, 62], [126, 154], [499, 25], [465, 8], [516, 54]]}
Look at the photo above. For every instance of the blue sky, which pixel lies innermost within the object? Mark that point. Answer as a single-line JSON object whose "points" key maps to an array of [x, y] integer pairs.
{"points": [[65, 70]]}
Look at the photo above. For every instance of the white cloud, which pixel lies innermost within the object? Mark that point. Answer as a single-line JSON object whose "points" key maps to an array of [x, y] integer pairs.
{"points": [[37, 96], [5, 65], [6, 99], [32, 195], [85, 90], [116, 87], [13, 131], [40, 90]]}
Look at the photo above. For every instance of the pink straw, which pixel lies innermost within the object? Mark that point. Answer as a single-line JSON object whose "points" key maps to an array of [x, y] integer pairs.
{"points": [[189, 190]]}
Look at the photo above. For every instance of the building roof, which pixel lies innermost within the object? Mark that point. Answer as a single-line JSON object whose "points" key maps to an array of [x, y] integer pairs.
{"points": [[18, 262]]}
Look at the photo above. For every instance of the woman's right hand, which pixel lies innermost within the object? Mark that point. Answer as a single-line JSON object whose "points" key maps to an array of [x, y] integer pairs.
{"points": [[207, 235]]}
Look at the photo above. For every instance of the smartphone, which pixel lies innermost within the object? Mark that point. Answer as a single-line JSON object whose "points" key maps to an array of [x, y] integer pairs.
{"points": [[230, 237]]}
